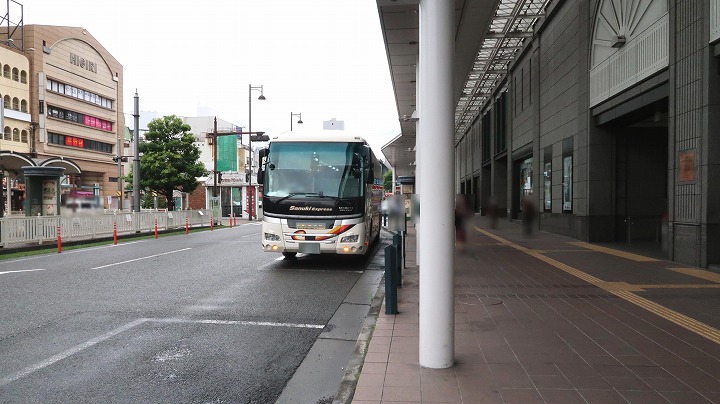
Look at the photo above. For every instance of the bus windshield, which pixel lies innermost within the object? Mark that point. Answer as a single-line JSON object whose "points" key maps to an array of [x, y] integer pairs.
{"points": [[314, 169]]}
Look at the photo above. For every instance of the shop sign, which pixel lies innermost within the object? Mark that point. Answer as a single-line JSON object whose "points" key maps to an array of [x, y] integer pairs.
{"points": [[687, 165]]}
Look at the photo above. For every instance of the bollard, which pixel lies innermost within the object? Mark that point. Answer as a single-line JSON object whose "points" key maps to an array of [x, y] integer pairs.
{"points": [[187, 227], [390, 282], [211, 222], [397, 243], [59, 240], [231, 220], [114, 233], [156, 235]]}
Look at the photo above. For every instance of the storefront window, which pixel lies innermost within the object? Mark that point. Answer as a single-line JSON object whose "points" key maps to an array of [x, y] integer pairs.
{"points": [[526, 178], [567, 183], [547, 179]]}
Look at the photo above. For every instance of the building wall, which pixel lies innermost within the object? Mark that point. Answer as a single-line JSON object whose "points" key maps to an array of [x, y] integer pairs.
{"points": [[15, 134], [72, 56]]}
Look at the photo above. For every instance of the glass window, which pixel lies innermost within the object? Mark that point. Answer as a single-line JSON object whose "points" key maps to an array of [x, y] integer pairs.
{"points": [[6, 133], [55, 86], [48, 85], [526, 177], [16, 104], [305, 169], [547, 184], [23, 106], [6, 102], [15, 135], [23, 77], [15, 74], [567, 183], [24, 136], [6, 71]]}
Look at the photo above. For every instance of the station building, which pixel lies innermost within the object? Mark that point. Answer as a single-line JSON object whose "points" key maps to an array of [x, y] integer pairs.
{"points": [[604, 113]]}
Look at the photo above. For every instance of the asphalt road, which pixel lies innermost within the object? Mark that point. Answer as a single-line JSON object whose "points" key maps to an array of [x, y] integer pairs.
{"points": [[200, 318]]}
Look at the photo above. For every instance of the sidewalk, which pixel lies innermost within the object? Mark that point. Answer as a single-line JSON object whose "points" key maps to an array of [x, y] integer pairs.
{"points": [[549, 319]]}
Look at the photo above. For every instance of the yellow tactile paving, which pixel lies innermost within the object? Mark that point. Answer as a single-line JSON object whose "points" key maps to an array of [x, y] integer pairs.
{"points": [[678, 286], [698, 273], [612, 251], [620, 289]]}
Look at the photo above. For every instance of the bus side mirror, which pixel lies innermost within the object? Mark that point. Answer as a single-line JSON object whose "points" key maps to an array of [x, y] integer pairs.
{"points": [[263, 153], [368, 165]]}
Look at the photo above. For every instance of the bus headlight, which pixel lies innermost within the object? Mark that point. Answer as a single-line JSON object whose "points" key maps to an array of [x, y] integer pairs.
{"points": [[350, 239], [272, 237]]}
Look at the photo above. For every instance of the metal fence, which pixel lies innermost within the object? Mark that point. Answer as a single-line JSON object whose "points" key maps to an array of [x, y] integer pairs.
{"points": [[40, 229]]}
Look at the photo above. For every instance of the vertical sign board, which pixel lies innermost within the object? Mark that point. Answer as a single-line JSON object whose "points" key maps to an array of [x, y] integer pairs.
{"points": [[686, 159]]}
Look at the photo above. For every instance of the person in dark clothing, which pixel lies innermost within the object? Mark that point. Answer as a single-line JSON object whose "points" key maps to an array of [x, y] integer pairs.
{"points": [[461, 215], [528, 215]]}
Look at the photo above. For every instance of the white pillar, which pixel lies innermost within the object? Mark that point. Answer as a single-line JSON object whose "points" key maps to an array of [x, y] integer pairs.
{"points": [[436, 143]]}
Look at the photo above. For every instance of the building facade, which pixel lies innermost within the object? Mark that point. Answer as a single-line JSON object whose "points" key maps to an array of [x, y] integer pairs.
{"points": [[608, 120], [76, 108], [16, 123]]}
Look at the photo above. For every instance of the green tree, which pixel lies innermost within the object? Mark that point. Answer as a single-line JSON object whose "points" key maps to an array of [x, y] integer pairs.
{"points": [[387, 181], [170, 159]]}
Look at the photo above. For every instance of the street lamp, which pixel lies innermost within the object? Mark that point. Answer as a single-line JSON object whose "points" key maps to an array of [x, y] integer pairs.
{"points": [[261, 98], [299, 115]]}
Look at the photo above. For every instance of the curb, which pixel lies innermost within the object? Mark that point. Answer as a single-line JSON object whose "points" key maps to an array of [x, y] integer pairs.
{"points": [[346, 390]]}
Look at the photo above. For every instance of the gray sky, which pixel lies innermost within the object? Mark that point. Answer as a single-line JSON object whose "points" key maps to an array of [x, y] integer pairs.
{"points": [[322, 58]]}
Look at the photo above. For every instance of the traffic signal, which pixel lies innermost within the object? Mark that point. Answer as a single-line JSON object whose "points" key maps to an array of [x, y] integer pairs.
{"points": [[219, 174]]}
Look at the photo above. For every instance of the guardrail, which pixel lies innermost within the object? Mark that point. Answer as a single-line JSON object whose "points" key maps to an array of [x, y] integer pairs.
{"points": [[41, 229]]}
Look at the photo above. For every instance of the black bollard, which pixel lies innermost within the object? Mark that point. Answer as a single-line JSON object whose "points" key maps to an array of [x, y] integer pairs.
{"points": [[397, 243], [390, 282]]}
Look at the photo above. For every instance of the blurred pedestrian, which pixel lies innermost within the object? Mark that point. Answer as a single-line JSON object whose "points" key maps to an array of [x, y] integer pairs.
{"points": [[528, 215], [492, 212], [462, 213]]}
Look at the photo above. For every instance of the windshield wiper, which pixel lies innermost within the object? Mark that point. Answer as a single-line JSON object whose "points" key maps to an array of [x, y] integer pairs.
{"points": [[292, 194]]}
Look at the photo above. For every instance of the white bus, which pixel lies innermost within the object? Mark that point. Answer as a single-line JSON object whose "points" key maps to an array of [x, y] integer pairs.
{"points": [[321, 194]]}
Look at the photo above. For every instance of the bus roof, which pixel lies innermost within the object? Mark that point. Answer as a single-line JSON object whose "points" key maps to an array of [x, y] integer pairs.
{"points": [[325, 136]]}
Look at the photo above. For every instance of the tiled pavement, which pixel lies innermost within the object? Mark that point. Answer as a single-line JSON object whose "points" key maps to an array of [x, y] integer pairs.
{"points": [[547, 319]]}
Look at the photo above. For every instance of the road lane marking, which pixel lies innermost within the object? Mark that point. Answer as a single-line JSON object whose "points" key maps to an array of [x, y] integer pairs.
{"points": [[698, 327], [22, 270], [142, 258], [62, 355], [94, 341], [79, 250], [236, 322]]}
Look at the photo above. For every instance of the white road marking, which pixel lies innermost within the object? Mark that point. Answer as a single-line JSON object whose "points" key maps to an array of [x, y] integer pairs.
{"points": [[235, 322], [249, 235], [62, 355], [85, 345], [142, 258], [22, 270], [79, 250]]}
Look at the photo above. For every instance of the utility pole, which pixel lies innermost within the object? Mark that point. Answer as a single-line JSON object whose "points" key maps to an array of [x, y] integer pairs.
{"points": [[136, 156]]}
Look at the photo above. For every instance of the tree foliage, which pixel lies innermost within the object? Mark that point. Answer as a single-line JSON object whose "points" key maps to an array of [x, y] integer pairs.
{"points": [[387, 181], [170, 160]]}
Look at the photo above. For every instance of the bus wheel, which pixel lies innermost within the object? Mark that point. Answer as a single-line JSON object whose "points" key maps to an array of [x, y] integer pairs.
{"points": [[289, 255]]}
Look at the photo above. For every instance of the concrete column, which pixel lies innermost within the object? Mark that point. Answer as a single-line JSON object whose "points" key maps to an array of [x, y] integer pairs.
{"points": [[435, 143], [418, 187]]}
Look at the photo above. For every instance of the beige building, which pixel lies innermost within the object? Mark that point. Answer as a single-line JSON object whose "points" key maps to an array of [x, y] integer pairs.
{"points": [[77, 105], [15, 94]]}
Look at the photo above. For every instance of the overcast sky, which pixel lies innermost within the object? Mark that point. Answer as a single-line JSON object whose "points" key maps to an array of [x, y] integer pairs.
{"points": [[322, 58]]}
